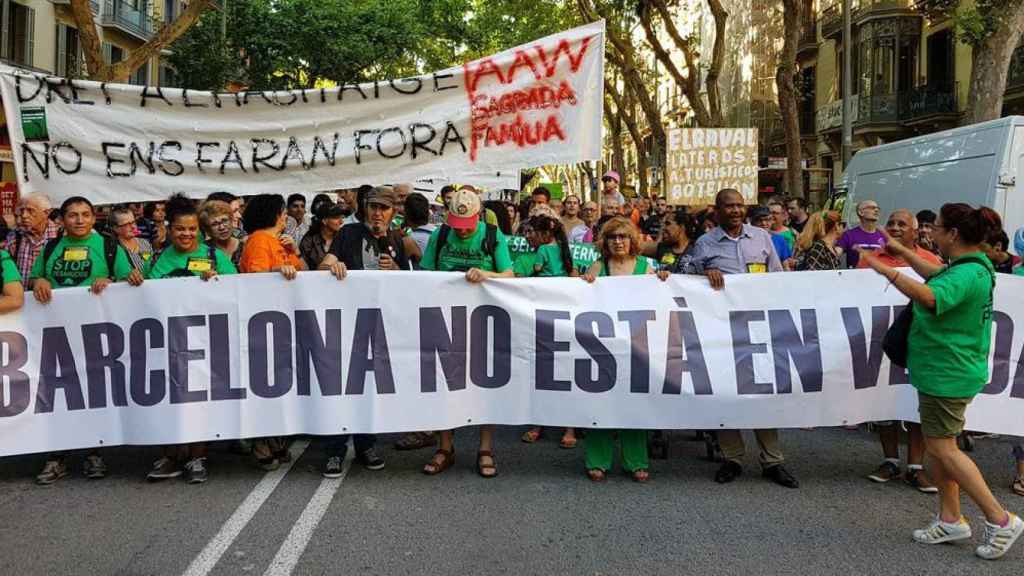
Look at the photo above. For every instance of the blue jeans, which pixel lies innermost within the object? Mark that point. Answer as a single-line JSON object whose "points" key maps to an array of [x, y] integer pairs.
{"points": [[336, 445], [1018, 452]]}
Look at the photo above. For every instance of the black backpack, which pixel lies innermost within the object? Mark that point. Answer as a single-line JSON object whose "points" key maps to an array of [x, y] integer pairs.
{"points": [[894, 343], [489, 245], [110, 247]]}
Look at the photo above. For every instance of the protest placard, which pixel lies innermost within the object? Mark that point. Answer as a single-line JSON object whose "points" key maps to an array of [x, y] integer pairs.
{"points": [[702, 161]]}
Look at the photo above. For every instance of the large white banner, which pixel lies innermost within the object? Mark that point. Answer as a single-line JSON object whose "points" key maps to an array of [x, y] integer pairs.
{"points": [[535, 104], [184, 361]]}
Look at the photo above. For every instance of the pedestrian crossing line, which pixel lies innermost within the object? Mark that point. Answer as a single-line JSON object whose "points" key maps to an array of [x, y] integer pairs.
{"points": [[294, 545], [204, 563]]}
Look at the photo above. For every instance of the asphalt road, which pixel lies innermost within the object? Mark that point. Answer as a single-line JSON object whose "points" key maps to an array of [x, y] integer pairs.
{"points": [[541, 516]]}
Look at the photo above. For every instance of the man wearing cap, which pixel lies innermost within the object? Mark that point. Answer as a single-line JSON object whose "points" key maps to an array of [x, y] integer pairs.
{"points": [[611, 181], [465, 244], [369, 245], [761, 216]]}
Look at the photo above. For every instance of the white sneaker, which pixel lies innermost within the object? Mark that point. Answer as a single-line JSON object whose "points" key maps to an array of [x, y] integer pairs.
{"points": [[998, 539], [938, 532]]}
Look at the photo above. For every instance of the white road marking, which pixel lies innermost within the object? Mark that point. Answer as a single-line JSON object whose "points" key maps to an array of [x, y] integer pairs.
{"points": [[204, 563], [294, 545]]}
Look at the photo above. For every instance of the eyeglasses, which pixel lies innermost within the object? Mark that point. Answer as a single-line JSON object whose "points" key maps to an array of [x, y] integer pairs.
{"points": [[123, 224], [222, 223], [617, 237]]}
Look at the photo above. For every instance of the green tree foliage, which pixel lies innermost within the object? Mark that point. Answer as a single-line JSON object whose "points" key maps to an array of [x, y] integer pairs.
{"points": [[281, 44]]}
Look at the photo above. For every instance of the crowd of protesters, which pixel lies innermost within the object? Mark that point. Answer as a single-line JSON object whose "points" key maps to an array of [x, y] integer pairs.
{"points": [[957, 250]]}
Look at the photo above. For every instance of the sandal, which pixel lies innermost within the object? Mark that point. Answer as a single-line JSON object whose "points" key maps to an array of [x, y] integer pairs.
{"points": [[484, 470], [415, 441], [531, 435], [567, 442], [641, 475], [596, 475], [1018, 486], [435, 466]]}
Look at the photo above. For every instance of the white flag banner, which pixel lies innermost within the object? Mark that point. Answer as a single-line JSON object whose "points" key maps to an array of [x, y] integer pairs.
{"points": [[178, 361], [536, 104]]}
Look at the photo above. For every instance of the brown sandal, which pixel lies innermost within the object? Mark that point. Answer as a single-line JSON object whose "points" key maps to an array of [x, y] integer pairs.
{"points": [[435, 467], [1018, 486], [481, 467], [641, 475], [596, 475], [531, 435]]}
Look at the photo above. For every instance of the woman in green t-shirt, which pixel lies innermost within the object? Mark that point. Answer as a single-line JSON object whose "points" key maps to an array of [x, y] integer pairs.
{"points": [[551, 259], [947, 359], [13, 296], [185, 256], [620, 245]]}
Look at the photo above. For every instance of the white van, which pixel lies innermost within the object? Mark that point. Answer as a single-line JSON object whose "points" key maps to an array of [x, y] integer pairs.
{"points": [[981, 164]]}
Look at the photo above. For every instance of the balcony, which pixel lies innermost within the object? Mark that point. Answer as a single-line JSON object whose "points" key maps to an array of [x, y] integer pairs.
{"points": [[830, 116], [831, 21], [123, 16], [927, 102], [865, 9], [808, 36], [878, 109]]}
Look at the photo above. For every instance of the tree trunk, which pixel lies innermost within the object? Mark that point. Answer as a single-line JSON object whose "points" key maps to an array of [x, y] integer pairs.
{"points": [[708, 115], [624, 107], [102, 71], [991, 65], [623, 55], [788, 105], [614, 121]]}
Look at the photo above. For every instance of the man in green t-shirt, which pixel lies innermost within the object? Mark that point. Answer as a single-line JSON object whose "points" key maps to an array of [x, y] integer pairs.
{"points": [[463, 244], [12, 294], [80, 257]]}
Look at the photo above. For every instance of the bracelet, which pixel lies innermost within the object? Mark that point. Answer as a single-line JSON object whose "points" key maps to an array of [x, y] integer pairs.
{"points": [[894, 277]]}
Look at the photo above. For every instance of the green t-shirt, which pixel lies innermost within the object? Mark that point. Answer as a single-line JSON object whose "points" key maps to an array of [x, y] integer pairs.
{"points": [[789, 236], [523, 266], [173, 264], [8, 268], [549, 256], [77, 262], [458, 255], [947, 348]]}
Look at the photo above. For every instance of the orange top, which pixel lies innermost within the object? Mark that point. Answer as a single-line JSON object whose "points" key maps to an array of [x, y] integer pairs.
{"points": [[264, 252], [890, 260]]}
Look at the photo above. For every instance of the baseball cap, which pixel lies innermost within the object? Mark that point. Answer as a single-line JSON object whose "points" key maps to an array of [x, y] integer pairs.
{"points": [[759, 212], [611, 174], [464, 209], [384, 195]]}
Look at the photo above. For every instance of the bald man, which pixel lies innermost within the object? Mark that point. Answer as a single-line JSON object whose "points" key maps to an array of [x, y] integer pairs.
{"points": [[34, 229]]}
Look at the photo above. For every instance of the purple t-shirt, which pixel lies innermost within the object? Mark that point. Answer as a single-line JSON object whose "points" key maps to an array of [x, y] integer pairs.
{"points": [[855, 238]]}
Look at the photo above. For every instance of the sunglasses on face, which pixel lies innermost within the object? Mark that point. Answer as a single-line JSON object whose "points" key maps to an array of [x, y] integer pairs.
{"points": [[617, 237]]}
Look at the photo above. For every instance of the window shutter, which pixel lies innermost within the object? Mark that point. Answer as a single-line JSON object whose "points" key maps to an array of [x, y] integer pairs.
{"points": [[30, 38], [108, 53], [61, 67], [5, 30]]}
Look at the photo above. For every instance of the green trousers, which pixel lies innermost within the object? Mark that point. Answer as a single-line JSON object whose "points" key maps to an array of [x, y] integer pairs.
{"points": [[599, 447]]}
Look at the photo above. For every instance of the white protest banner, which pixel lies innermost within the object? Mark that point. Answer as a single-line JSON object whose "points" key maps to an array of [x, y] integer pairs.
{"points": [[179, 361], [540, 103], [702, 161]]}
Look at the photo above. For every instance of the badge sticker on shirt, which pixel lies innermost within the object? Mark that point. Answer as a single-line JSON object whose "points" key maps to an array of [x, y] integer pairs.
{"points": [[668, 259], [75, 254], [757, 268], [199, 265]]}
